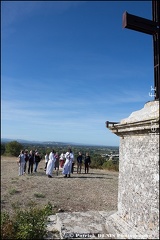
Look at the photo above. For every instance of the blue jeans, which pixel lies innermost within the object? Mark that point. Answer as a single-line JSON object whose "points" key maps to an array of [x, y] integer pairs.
{"points": [[36, 165]]}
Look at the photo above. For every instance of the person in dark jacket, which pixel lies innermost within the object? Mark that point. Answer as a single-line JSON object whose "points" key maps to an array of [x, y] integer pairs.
{"points": [[37, 160], [56, 166], [26, 157], [31, 162], [79, 162], [87, 162]]}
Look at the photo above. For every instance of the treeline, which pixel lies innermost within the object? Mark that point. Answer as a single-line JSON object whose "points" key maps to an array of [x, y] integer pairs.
{"points": [[13, 148]]}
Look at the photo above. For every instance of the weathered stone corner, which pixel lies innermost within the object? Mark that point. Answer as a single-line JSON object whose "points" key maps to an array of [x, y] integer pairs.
{"points": [[138, 192]]}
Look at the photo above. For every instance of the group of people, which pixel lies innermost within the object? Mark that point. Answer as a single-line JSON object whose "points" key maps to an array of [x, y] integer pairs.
{"points": [[33, 159], [87, 162], [52, 162], [66, 162]]}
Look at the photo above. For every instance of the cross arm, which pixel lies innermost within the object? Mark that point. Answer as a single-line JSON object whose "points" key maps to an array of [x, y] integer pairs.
{"points": [[110, 123], [139, 24]]}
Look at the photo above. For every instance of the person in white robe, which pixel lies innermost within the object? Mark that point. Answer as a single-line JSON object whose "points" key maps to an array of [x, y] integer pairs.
{"points": [[69, 156], [51, 164]]}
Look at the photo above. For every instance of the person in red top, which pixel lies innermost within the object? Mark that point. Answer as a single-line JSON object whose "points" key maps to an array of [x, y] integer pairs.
{"points": [[62, 159]]}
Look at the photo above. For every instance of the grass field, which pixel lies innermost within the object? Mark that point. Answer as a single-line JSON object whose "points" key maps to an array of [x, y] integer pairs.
{"points": [[97, 190]]}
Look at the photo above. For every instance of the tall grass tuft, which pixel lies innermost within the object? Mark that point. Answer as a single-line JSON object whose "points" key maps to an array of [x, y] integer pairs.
{"points": [[39, 195]]}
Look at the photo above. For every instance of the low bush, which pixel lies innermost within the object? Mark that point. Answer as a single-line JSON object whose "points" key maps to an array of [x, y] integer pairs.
{"points": [[7, 227], [25, 224], [97, 162], [110, 165]]}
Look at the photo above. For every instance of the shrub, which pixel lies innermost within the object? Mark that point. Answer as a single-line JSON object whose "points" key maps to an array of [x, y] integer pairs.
{"points": [[13, 148], [97, 162], [28, 224], [110, 165], [7, 228], [2, 148]]}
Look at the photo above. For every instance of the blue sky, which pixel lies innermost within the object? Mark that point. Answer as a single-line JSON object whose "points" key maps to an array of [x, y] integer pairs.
{"points": [[68, 66]]}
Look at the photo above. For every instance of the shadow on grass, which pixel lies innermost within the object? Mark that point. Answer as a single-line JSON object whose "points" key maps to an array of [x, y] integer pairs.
{"points": [[91, 177], [74, 175]]}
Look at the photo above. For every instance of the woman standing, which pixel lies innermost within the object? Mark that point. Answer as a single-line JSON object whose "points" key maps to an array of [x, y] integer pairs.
{"points": [[21, 163], [62, 159], [68, 163], [51, 164]]}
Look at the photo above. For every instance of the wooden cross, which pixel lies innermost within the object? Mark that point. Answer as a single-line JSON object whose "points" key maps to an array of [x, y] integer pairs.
{"points": [[151, 27]]}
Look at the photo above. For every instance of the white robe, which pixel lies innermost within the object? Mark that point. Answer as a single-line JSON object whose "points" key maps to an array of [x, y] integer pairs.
{"points": [[51, 164], [68, 163]]}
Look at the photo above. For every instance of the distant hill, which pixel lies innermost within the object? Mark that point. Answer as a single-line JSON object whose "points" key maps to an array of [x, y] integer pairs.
{"points": [[6, 140]]}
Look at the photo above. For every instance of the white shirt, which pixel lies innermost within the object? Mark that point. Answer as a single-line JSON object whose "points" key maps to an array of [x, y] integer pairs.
{"points": [[46, 158], [62, 156]]}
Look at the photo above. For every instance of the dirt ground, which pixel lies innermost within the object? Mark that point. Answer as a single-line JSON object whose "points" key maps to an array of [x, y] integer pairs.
{"points": [[97, 190]]}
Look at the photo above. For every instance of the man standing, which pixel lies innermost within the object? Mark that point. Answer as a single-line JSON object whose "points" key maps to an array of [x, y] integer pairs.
{"points": [[68, 163], [56, 165], [79, 162], [87, 162], [37, 160], [31, 162], [51, 164], [26, 157]]}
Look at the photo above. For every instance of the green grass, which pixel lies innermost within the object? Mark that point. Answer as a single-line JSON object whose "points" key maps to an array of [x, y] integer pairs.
{"points": [[39, 195], [13, 191]]}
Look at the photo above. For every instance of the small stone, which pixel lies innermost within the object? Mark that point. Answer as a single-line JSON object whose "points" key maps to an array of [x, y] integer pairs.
{"points": [[60, 210]]}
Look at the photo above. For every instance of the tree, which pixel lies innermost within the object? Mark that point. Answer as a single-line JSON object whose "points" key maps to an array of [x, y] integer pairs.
{"points": [[13, 148], [2, 148]]}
